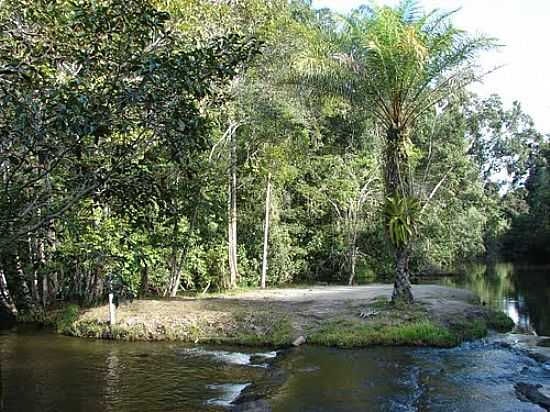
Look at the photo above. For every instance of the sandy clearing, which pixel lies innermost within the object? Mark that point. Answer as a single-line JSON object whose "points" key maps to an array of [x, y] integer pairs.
{"points": [[350, 293]]}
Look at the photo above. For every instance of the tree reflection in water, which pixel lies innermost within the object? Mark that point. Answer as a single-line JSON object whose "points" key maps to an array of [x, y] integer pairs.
{"points": [[522, 292]]}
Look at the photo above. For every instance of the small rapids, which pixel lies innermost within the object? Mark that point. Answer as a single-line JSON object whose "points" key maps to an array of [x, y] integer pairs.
{"points": [[229, 393], [234, 358], [479, 376]]}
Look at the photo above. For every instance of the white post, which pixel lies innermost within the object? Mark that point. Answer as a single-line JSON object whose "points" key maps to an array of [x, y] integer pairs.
{"points": [[112, 309]]}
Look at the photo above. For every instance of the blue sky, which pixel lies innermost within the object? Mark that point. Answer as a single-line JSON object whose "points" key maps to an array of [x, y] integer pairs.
{"points": [[522, 26]]}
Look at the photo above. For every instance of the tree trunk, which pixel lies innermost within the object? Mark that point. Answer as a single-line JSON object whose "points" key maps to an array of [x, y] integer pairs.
{"points": [[41, 258], [52, 244], [396, 179], [353, 264], [266, 230], [144, 284], [396, 170], [45, 291], [179, 257], [402, 291], [176, 275], [6, 302], [34, 278], [352, 224], [24, 290], [232, 212]]}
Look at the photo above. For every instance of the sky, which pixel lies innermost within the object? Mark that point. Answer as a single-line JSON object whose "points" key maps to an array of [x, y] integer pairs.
{"points": [[521, 26]]}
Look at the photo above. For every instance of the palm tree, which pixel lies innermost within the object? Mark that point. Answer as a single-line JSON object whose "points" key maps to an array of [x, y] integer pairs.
{"points": [[400, 63]]}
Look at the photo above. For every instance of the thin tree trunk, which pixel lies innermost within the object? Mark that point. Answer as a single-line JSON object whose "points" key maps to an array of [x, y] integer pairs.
{"points": [[41, 258], [6, 302], [50, 234], [396, 179], [232, 212], [353, 262], [24, 290], [78, 286], [53, 277], [179, 257], [34, 280], [176, 275], [45, 291], [266, 229], [144, 284], [352, 223]]}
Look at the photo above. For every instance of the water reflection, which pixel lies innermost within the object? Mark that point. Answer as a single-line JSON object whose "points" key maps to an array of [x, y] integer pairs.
{"points": [[112, 378], [42, 372], [523, 293]]}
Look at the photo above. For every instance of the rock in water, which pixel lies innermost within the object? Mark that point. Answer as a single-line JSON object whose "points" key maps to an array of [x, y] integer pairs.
{"points": [[300, 340], [531, 393], [253, 406]]}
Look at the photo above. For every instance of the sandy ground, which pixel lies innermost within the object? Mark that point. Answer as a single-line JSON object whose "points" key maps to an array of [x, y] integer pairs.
{"points": [[303, 305], [323, 302], [323, 294]]}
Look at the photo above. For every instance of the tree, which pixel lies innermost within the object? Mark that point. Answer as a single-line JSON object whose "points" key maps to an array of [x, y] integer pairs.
{"points": [[118, 85], [402, 63], [528, 238]]}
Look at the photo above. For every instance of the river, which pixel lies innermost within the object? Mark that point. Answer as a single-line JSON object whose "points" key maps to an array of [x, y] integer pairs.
{"points": [[43, 372], [522, 292]]}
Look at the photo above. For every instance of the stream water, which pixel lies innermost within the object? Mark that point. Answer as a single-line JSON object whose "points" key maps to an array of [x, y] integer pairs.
{"points": [[522, 292], [44, 372]]}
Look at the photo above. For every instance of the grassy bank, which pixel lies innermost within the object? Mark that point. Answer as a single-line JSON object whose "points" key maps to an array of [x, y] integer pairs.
{"points": [[259, 322], [411, 325]]}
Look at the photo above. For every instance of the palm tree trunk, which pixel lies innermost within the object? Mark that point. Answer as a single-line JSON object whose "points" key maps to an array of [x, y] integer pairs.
{"points": [[402, 290], [396, 179]]}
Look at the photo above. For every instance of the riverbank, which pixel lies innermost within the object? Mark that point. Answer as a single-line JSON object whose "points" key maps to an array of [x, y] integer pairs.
{"points": [[331, 316]]}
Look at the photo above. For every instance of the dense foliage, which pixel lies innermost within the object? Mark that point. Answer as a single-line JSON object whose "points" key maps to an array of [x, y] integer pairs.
{"points": [[139, 141]]}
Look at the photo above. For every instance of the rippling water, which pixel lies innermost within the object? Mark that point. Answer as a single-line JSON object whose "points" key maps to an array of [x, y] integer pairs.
{"points": [[474, 377], [46, 372]]}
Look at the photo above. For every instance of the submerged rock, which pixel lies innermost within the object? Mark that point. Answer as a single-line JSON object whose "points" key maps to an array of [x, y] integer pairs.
{"points": [[532, 393], [300, 340], [252, 406]]}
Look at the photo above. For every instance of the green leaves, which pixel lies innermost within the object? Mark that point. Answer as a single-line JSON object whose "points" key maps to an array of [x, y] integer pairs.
{"points": [[401, 214]]}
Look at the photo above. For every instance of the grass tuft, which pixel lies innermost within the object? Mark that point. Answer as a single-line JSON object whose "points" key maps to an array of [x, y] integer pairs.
{"points": [[66, 319], [500, 322]]}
